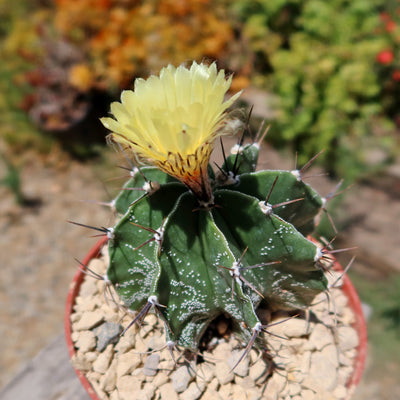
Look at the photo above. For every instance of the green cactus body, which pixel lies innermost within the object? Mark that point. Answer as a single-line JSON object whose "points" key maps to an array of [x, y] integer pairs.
{"points": [[195, 263]]}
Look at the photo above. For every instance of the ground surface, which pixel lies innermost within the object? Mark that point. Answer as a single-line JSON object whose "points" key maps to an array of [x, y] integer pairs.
{"points": [[38, 246]]}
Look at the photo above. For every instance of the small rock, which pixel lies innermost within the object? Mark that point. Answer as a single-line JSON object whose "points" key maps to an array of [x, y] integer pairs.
{"points": [[340, 392], [141, 345], [223, 372], [222, 351], [213, 384], [91, 355], [127, 385], [75, 317], [344, 374], [307, 394], [331, 353], [127, 362], [239, 393], [149, 389], [94, 376], [80, 362], [167, 366], [88, 288], [205, 372], [258, 370], [242, 368], [114, 395], [294, 388], [88, 321], [97, 265], [295, 327], [245, 382], [225, 391], [348, 338], [305, 362], [168, 392], [151, 364], [155, 343], [139, 395], [276, 384], [107, 333], [323, 374], [254, 395], [86, 341], [181, 378], [323, 394], [99, 391], [193, 392], [211, 394], [320, 337], [160, 378], [103, 361], [138, 372], [126, 341], [109, 379]]}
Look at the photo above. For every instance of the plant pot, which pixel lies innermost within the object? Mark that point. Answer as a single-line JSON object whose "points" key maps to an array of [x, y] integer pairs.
{"points": [[347, 288]]}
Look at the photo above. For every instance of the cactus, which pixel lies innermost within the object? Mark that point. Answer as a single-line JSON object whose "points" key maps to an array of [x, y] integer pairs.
{"points": [[194, 244]]}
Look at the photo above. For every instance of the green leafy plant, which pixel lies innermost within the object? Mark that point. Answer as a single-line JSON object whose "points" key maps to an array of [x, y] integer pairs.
{"points": [[319, 58], [12, 180]]}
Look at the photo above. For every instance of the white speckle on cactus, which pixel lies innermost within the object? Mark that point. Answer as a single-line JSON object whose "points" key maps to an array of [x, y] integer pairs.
{"points": [[264, 251], [153, 300], [235, 271], [237, 149], [106, 280], [133, 172], [110, 233], [151, 187], [159, 234], [318, 254], [266, 208], [297, 174], [206, 204], [112, 203], [257, 327], [231, 179], [233, 311]]}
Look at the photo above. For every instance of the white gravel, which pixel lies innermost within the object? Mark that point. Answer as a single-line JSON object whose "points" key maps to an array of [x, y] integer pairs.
{"points": [[314, 359]]}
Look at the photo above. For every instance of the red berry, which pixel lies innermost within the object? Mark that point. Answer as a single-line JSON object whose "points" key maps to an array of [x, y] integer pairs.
{"points": [[396, 75], [390, 26], [385, 57]]}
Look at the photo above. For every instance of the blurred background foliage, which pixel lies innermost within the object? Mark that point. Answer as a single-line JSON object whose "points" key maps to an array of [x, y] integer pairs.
{"points": [[333, 68], [320, 59]]}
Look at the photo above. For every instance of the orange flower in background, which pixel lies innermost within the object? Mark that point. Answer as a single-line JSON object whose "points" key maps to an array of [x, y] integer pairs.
{"points": [[81, 77], [122, 39]]}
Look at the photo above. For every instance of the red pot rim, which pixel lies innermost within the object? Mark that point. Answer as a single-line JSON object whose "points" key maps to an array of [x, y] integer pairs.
{"points": [[353, 300], [73, 292]]}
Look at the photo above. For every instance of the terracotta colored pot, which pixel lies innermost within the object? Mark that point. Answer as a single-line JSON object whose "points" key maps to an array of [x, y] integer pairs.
{"points": [[347, 288]]}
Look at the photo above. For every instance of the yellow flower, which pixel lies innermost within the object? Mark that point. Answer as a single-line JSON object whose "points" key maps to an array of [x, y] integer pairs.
{"points": [[172, 120]]}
